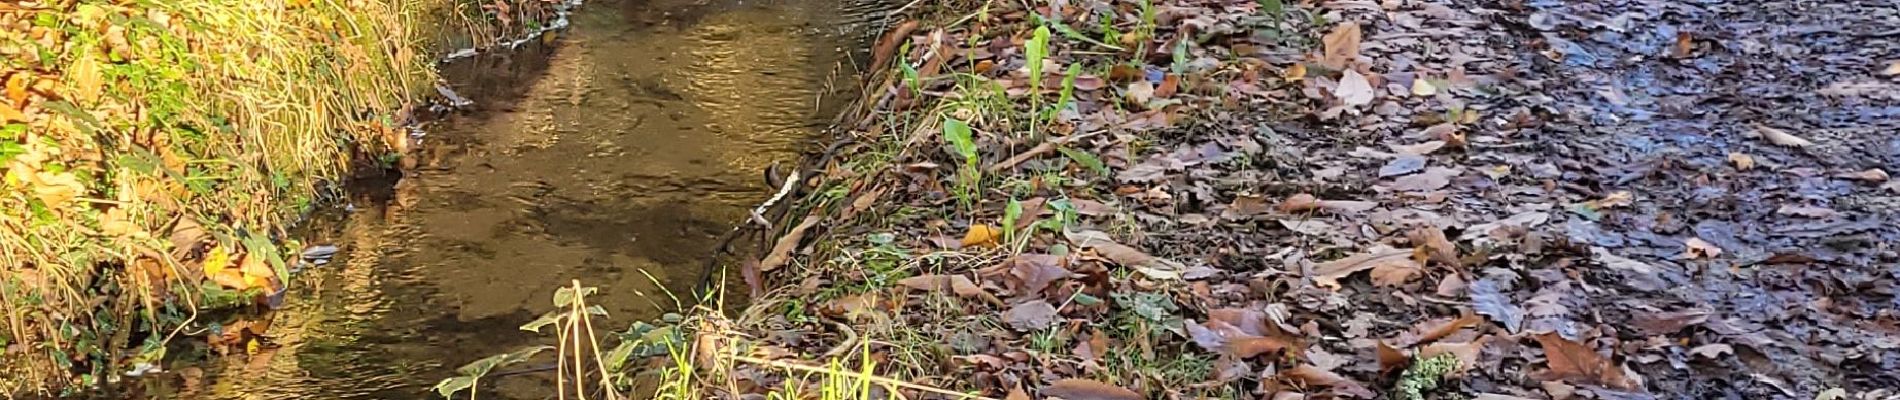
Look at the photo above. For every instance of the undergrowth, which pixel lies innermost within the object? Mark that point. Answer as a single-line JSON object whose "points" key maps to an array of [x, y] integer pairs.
{"points": [[153, 152]]}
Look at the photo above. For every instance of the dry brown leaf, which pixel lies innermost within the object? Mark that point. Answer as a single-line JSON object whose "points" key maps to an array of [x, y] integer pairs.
{"points": [[1893, 68], [1035, 271], [1294, 73], [1314, 376], [1329, 273], [959, 284], [783, 248], [1436, 247], [1662, 323], [981, 235], [1417, 149], [1347, 206], [1807, 211], [1030, 316], [1698, 248], [1151, 266], [1576, 363], [1741, 161], [1780, 137], [8, 114], [1354, 89], [85, 79], [1495, 396], [1393, 274], [1299, 203], [1433, 178], [1875, 175], [1620, 198], [1017, 393], [1391, 358], [1712, 351], [1431, 333], [1245, 206], [16, 89], [1341, 45], [1085, 389]]}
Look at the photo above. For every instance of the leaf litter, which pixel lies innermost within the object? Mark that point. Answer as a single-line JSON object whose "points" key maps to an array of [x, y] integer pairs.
{"points": [[1557, 242]]}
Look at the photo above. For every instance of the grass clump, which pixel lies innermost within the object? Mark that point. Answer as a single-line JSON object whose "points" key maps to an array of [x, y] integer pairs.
{"points": [[152, 153]]}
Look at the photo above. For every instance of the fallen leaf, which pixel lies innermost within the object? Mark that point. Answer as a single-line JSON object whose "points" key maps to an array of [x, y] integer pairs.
{"points": [[1035, 271], [1495, 396], [1712, 351], [1353, 89], [1436, 247], [783, 248], [1030, 316], [1780, 137], [1558, 390], [1329, 273], [1417, 149], [1402, 165], [1431, 331], [85, 79], [1662, 323], [1875, 175], [1140, 92], [1432, 179], [1422, 88], [1347, 206], [1299, 203], [1310, 227], [1573, 362], [16, 89], [1245, 206], [1313, 376], [1153, 267], [1390, 358], [1392, 274], [981, 235], [1341, 45], [1491, 301], [1085, 389], [1893, 68], [1450, 286], [1638, 274], [1620, 198], [1741, 161], [1698, 248], [1529, 219], [958, 284], [1295, 72], [1807, 211], [1017, 393]]}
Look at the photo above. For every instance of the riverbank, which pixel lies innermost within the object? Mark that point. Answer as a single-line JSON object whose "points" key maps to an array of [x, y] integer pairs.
{"points": [[1252, 199], [156, 154]]}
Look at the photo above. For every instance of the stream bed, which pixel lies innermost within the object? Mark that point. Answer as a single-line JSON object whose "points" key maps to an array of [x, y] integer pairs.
{"points": [[615, 152]]}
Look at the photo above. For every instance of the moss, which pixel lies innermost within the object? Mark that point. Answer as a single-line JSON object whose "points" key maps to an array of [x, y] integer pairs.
{"points": [[1424, 375]]}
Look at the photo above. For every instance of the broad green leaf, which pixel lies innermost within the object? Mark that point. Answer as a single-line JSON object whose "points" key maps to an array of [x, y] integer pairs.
{"points": [[545, 320], [448, 387], [1036, 50], [1273, 7], [959, 135], [565, 295]]}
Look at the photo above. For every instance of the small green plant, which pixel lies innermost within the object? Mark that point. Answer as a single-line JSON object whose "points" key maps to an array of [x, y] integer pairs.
{"points": [[1424, 375], [963, 140], [1036, 50]]}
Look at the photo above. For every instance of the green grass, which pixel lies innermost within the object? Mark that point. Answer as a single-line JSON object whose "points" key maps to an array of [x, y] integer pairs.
{"points": [[151, 134]]}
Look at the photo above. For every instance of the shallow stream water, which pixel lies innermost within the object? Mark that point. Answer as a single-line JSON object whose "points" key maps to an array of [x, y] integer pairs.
{"points": [[615, 152]]}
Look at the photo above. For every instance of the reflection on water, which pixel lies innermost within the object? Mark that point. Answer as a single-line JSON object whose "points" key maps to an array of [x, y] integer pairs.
{"points": [[615, 154]]}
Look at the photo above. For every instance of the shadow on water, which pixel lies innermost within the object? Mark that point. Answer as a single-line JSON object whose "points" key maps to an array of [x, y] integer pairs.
{"points": [[615, 154]]}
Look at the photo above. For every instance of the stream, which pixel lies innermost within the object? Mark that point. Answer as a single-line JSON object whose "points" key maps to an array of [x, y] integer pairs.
{"points": [[615, 152]]}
